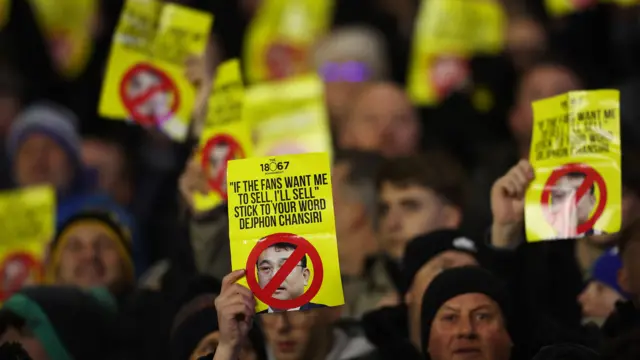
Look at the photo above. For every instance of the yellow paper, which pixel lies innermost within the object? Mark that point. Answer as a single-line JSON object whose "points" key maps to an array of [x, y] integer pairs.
{"points": [[226, 135], [27, 224], [288, 117], [280, 37], [145, 79], [68, 28], [280, 207], [575, 153], [5, 11], [447, 33]]}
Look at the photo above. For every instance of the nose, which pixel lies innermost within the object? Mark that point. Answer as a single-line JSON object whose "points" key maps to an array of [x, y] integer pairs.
{"points": [[283, 323], [393, 219], [582, 297], [465, 328]]}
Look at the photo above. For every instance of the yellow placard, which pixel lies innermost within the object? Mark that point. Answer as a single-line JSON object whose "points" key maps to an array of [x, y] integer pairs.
{"points": [[288, 117], [225, 136], [559, 8], [575, 154], [280, 37], [27, 224], [447, 33], [68, 28], [282, 231], [145, 79], [5, 11]]}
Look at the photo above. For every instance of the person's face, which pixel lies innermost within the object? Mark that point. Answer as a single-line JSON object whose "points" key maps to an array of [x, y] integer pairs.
{"points": [[270, 261], [598, 300], [108, 160], [469, 326], [209, 344], [89, 257], [525, 42], [382, 120], [139, 87], [565, 190], [296, 335], [406, 212], [40, 160], [422, 279], [217, 161], [27, 339], [540, 83]]}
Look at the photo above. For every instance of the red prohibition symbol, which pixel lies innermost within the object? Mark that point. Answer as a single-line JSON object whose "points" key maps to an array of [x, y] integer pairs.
{"points": [[592, 177], [217, 183], [303, 247], [25, 264], [133, 104]]}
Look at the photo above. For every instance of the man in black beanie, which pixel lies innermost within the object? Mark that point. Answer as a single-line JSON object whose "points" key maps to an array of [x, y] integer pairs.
{"points": [[465, 314], [61, 323]]}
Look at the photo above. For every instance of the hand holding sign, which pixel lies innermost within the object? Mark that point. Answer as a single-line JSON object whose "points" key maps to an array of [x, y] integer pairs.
{"points": [[235, 306]]}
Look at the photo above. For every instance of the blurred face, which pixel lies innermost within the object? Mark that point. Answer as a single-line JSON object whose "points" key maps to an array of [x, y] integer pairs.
{"points": [[406, 212], [469, 326], [270, 261], [413, 299], [209, 344], [565, 190], [541, 82], [344, 81], [108, 159], [40, 160], [525, 42], [598, 300], [89, 256], [27, 339], [382, 120], [297, 335]]}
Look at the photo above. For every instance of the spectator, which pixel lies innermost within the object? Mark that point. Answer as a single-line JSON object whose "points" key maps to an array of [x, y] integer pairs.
{"points": [[382, 120], [602, 292], [416, 195]]}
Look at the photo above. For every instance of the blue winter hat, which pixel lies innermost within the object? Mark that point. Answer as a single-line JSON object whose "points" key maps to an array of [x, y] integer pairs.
{"points": [[605, 270], [50, 119]]}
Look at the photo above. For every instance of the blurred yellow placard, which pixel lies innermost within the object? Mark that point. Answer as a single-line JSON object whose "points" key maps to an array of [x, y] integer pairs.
{"points": [[288, 117], [575, 153], [280, 37], [68, 27], [447, 33], [145, 79], [559, 8], [282, 231], [226, 134], [27, 224], [5, 11]]}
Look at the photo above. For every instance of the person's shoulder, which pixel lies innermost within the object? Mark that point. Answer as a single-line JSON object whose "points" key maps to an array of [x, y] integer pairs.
{"points": [[311, 305], [262, 312]]}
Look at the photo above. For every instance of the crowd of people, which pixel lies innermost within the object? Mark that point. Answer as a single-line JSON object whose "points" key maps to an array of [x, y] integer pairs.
{"points": [[429, 203]]}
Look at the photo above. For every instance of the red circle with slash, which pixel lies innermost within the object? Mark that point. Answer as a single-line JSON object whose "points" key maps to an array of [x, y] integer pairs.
{"points": [[27, 264], [217, 183], [591, 177], [284, 60], [133, 103], [448, 72], [303, 248]]}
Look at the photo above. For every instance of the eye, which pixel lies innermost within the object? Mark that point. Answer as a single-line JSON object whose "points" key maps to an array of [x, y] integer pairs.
{"points": [[448, 317], [483, 316]]}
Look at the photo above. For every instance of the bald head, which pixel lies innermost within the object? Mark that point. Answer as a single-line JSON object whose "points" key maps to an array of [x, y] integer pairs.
{"points": [[383, 120]]}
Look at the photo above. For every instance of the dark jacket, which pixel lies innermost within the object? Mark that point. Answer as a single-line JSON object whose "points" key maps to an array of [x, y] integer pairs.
{"points": [[307, 306]]}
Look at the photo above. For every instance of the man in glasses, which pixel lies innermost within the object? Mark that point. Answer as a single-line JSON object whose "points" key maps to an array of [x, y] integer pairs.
{"points": [[293, 286]]}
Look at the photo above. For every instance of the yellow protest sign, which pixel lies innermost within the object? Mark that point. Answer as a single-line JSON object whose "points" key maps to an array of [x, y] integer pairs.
{"points": [[288, 117], [282, 231], [68, 28], [447, 33], [27, 224], [5, 11], [145, 80], [559, 8], [575, 153], [279, 39], [225, 136]]}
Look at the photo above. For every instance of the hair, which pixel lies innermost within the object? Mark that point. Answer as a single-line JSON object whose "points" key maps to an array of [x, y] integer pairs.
{"points": [[128, 163], [13, 351], [355, 43], [628, 235], [361, 180], [288, 246], [435, 170], [579, 175], [554, 61], [9, 319]]}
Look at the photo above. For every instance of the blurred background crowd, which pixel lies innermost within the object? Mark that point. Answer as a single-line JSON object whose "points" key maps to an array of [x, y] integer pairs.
{"points": [[417, 192]]}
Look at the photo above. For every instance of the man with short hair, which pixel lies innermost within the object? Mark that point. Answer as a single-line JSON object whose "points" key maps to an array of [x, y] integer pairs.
{"points": [[416, 195], [293, 286]]}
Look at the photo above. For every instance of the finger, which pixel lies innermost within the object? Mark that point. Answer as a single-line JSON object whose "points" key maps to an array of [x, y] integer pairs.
{"points": [[239, 289], [241, 311], [519, 176], [231, 278]]}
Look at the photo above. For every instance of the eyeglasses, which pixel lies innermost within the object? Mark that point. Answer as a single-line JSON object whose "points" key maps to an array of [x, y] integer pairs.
{"points": [[351, 71]]}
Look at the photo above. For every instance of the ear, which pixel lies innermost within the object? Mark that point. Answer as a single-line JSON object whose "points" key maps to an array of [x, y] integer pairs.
{"points": [[623, 280], [451, 216], [305, 274]]}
